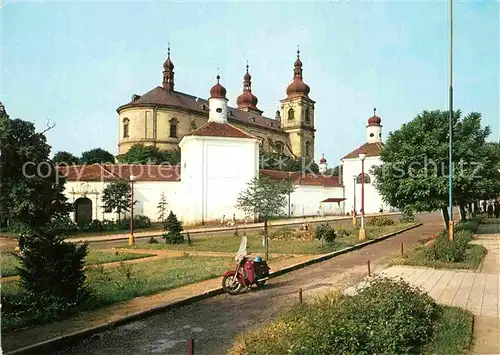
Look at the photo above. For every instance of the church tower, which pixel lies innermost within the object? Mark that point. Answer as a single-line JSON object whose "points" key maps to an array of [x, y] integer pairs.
{"points": [[298, 114], [374, 129], [168, 73]]}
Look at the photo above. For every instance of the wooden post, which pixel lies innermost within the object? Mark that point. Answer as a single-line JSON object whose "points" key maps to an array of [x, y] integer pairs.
{"points": [[300, 295], [369, 270], [190, 346], [402, 250]]}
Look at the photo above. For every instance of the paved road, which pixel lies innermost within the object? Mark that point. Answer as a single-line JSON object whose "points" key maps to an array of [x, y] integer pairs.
{"points": [[215, 323]]}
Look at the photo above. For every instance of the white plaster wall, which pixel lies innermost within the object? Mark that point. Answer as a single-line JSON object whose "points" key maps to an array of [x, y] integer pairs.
{"points": [[146, 194], [214, 171], [306, 201], [373, 201]]}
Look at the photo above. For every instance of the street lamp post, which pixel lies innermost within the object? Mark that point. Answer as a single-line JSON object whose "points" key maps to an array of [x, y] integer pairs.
{"points": [[354, 203], [362, 233], [131, 239]]}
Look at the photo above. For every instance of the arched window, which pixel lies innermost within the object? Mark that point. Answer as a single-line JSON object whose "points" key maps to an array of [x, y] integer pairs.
{"points": [[291, 114], [308, 148], [279, 147], [173, 127], [125, 127], [367, 179], [307, 118]]}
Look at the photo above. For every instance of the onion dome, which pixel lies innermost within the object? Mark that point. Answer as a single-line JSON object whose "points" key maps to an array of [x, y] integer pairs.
{"points": [[322, 160], [218, 91], [297, 87], [247, 99], [168, 65], [374, 120]]}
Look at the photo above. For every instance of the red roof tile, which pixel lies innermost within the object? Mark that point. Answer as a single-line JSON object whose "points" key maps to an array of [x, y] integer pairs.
{"points": [[219, 130], [300, 178], [370, 149], [110, 172]]}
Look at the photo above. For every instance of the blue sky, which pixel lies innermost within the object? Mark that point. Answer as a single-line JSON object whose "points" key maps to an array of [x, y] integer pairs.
{"points": [[75, 63]]}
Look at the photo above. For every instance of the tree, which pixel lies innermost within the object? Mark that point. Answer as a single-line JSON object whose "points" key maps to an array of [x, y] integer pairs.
{"points": [[142, 154], [31, 188], [264, 197], [97, 155], [415, 165], [162, 207], [31, 194], [174, 228], [275, 161], [116, 197], [63, 157]]}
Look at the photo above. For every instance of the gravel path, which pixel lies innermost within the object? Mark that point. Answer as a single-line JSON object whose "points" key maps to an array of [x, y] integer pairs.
{"points": [[215, 323]]}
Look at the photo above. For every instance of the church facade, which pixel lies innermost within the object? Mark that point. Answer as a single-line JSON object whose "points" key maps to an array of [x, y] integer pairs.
{"points": [[163, 116]]}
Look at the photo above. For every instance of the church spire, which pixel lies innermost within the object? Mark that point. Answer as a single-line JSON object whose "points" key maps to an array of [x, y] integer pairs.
{"points": [[247, 101], [297, 87], [168, 72]]}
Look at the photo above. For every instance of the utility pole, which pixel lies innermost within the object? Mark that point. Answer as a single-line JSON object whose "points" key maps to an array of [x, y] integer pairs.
{"points": [[450, 157]]}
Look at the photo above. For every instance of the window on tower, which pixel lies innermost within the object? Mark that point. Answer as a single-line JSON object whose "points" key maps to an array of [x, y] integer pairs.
{"points": [[308, 148], [359, 179], [173, 128], [372, 135], [307, 118], [125, 127], [291, 114]]}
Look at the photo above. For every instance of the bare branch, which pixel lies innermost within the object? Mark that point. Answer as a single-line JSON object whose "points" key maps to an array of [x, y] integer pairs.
{"points": [[49, 126]]}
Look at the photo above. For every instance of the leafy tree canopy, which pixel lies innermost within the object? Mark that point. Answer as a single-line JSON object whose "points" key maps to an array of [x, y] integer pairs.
{"points": [[414, 173], [143, 154], [63, 157], [116, 197], [97, 155], [275, 161], [31, 187]]}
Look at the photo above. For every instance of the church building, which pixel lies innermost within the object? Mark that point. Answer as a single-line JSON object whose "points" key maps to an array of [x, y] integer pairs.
{"points": [[163, 116]]}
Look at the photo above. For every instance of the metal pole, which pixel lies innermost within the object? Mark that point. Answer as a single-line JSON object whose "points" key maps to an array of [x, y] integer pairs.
{"points": [[354, 204], [362, 194], [131, 240], [190, 346], [450, 227]]}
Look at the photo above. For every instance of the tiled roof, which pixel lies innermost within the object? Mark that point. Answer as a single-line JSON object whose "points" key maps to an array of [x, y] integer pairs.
{"points": [[110, 172], [300, 178], [370, 149], [162, 97], [334, 199], [219, 130]]}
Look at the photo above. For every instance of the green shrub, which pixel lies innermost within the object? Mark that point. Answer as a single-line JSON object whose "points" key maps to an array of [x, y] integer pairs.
{"points": [[380, 221], [63, 225], [342, 231], [173, 229], [52, 269], [142, 222], [109, 226], [471, 226], [407, 217], [450, 250], [284, 233], [389, 317], [325, 232]]}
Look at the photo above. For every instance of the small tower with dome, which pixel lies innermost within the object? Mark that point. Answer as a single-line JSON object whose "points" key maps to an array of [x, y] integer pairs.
{"points": [[323, 165], [374, 128], [297, 118]]}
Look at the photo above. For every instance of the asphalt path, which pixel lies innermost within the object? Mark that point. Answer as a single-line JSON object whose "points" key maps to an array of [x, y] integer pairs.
{"points": [[215, 323]]}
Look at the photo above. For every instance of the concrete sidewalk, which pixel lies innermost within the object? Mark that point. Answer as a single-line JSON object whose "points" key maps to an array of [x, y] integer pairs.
{"points": [[241, 227], [478, 292]]}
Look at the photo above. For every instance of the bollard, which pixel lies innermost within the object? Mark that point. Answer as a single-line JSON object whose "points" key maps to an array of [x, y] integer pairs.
{"points": [[369, 270], [300, 295], [190, 346], [402, 251]]}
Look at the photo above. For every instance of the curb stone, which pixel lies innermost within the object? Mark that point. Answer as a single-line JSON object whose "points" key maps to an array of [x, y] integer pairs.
{"points": [[68, 339]]}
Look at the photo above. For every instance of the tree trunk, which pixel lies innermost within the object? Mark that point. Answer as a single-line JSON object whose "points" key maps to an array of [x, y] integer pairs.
{"points": [[463, 214], [266, 238], [446, 217]]}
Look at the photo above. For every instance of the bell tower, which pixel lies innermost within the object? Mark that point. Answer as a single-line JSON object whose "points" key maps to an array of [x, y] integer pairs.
{"points": [[297, 114]]}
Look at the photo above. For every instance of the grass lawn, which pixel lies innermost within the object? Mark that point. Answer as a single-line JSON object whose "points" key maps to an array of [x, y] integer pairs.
{"points": [[8, 262], [112, 285], [473, 257], [452, 333], [292, 246]]}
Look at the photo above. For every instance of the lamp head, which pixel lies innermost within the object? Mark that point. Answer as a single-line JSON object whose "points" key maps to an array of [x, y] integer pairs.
{"points": [[133, 178], [362, 156]]}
